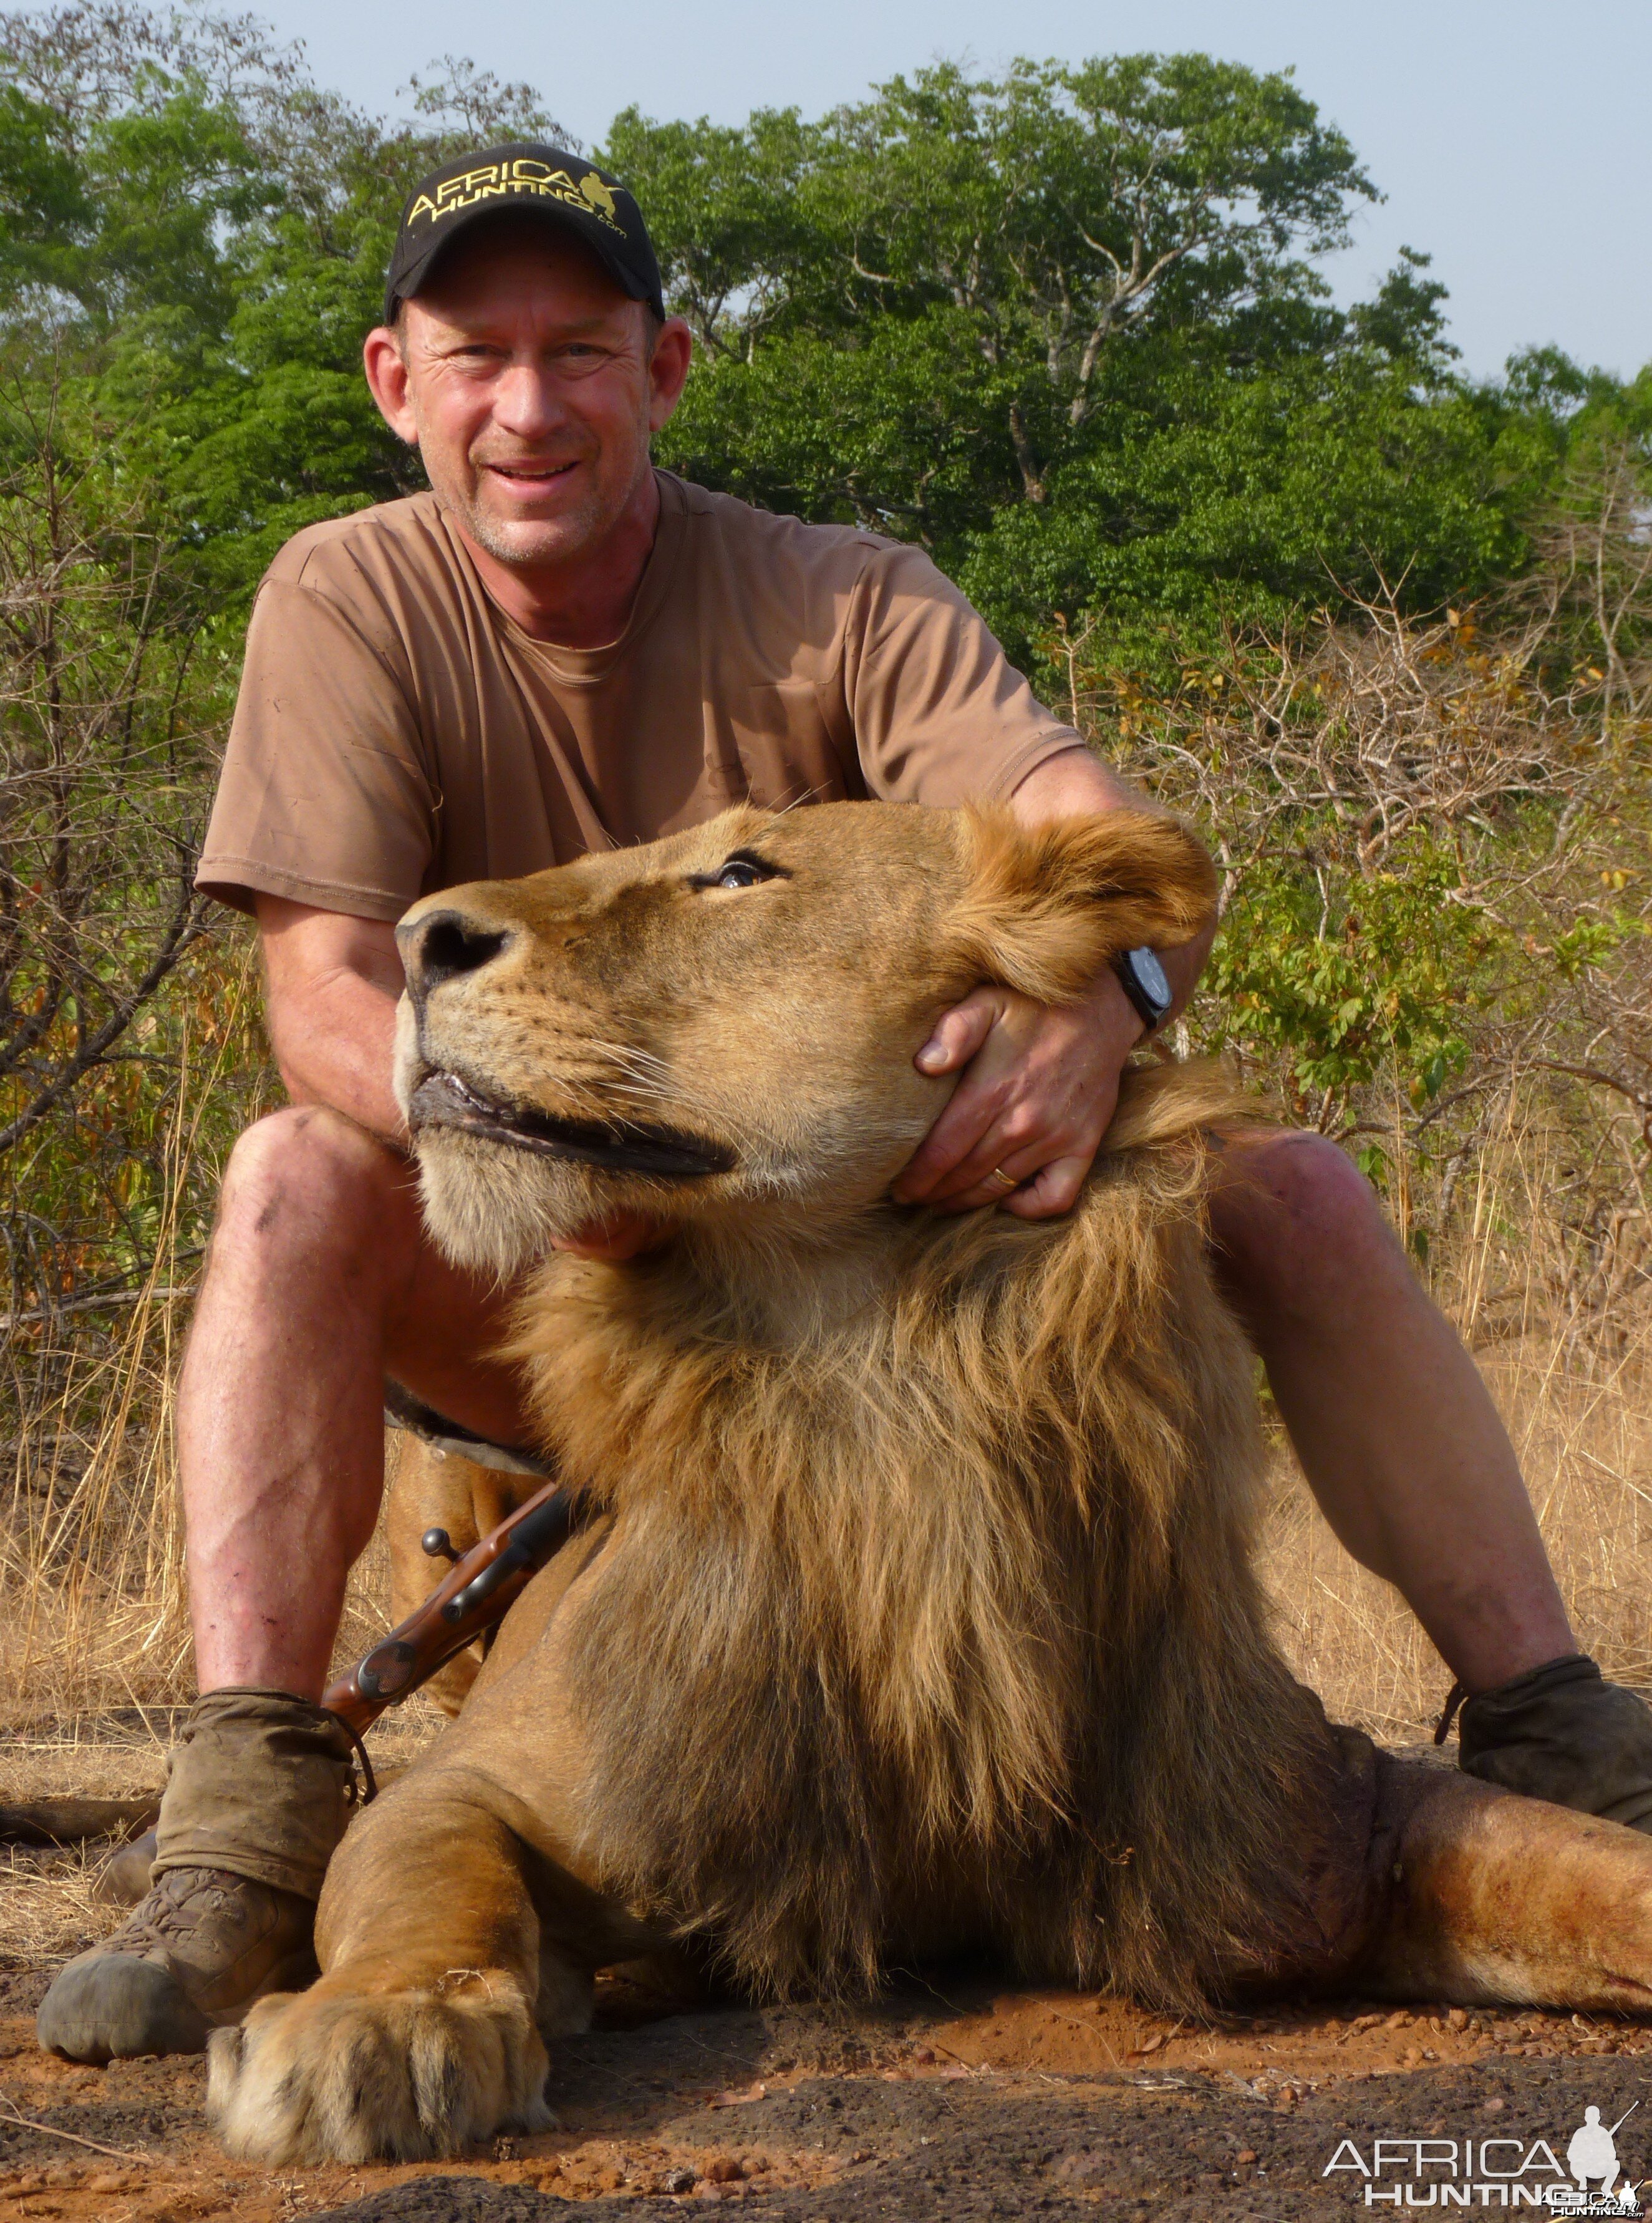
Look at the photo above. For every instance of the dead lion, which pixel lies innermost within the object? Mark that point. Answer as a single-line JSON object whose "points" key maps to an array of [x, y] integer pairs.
{"points": [[919, 1612]]}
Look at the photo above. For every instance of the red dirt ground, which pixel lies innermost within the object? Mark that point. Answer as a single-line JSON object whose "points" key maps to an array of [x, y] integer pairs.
{"points": [[950, 2098]]}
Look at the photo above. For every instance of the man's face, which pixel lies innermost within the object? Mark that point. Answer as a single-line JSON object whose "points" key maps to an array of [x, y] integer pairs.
{"points": [[530, 383]]}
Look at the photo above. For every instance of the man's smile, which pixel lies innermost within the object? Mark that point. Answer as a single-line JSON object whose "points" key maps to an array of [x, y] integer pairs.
{"points": [[529, 479]]}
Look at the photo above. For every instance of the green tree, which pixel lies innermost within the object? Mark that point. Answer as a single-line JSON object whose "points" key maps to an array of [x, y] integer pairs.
{"points": [[206, 233], [1065, 328]]}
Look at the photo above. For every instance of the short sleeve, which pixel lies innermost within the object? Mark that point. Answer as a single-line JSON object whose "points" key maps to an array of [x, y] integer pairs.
{"points": [[940, 715], [323, 796]]}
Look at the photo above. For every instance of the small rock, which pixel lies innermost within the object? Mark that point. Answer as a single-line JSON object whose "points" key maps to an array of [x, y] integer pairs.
{"points": [[1457, 2018], [1246, 2157], [1153, 2044], [1494, 2106], [724, 2168], [1399, 2020], [1083, 2168], [678, 2179]]}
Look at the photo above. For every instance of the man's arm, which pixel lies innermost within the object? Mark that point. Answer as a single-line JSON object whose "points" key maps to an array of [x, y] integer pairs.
{"points": [[332, 983], [1042, 1084]]}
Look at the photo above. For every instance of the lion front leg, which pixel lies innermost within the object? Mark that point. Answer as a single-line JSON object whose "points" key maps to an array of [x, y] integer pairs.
{"points": [[421, 2036], [1500, 1900]]}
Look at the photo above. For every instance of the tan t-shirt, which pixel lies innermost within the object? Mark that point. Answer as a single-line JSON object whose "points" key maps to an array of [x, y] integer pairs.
{"points": [[397, 733]]}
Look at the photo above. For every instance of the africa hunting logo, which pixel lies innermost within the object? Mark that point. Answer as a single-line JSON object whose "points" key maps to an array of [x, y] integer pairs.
{"points": [[1497, 2172], [521, 175]]}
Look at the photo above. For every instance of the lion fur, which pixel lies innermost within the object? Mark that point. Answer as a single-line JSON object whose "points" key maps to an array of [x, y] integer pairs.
{"points": [[927, 1609], [917, 1610]]}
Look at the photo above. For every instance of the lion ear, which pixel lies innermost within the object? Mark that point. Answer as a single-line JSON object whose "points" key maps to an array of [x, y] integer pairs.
{"points": [[1047, 906]]}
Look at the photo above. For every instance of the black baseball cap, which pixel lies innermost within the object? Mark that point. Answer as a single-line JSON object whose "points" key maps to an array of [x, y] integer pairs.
{"points": [[548, 181]]}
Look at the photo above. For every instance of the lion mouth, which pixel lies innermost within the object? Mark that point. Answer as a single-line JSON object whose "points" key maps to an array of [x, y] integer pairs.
{"points": [[625, 1146]]}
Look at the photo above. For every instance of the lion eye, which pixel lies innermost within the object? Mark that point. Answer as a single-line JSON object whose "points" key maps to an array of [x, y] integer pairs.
{"points": [[742, 870]]}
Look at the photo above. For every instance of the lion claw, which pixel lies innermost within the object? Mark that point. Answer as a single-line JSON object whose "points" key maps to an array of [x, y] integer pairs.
{"points": [[408, 2075]]}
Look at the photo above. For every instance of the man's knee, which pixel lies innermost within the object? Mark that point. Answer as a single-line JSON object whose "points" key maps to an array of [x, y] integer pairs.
{"points": [[308, 1179], [1292, 1215]]}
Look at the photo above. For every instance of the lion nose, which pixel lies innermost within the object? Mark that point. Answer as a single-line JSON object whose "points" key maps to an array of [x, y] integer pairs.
{"points": [[441, 945]]}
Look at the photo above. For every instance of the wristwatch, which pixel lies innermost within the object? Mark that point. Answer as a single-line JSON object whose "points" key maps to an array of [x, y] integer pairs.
{"points": [[1144, 981]]}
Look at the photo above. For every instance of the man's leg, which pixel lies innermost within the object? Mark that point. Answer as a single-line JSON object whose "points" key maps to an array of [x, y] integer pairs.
{"points": [[319, 1281], [322, 1280], [1403, 1447]]}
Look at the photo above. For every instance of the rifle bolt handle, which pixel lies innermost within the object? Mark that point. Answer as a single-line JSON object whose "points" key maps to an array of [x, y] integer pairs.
{"points": [[435, 1544]]}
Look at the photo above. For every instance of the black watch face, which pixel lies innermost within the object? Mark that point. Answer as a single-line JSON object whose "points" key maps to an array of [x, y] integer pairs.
{"points": [[1151, 978]]}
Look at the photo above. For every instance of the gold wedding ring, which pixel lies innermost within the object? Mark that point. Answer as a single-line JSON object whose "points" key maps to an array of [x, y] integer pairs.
{"points": [[999, 1179]]}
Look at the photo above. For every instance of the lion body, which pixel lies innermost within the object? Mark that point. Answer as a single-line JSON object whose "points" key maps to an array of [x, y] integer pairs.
{"points": [[972, 1624], [917, 1610]]}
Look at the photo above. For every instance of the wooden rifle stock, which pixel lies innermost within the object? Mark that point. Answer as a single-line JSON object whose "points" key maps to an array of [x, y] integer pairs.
{"points": [[472, 1597]]}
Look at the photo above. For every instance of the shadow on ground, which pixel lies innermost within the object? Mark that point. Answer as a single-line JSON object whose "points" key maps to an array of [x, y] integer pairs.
{"points": [[951, 2098]]}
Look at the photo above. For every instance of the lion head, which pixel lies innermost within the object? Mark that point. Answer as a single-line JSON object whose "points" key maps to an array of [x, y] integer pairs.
{"points": [[720, 1026]]}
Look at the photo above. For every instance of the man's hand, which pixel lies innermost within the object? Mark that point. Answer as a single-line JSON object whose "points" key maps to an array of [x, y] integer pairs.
{"points": [[1042, 1084], [1037, 1099]]}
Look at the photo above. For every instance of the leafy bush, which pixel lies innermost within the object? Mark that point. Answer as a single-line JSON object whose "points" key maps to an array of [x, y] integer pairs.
{"points": [[1436, 887]]}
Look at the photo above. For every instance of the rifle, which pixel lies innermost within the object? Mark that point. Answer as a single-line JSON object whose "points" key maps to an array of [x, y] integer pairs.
{"points": [[472, 1597]]}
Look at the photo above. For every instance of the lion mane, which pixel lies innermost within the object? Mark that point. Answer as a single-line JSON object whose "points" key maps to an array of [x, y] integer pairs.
{"points": [[971, 1594]]}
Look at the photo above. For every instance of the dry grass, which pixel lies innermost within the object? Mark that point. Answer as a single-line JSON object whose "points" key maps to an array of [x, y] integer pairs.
{"points": [[1565, 1343], [93, 1621], [1584, 1433], [47, 1913]]}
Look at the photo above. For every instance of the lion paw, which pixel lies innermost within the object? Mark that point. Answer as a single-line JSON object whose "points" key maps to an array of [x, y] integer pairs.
{"points": [[409, 2076]]}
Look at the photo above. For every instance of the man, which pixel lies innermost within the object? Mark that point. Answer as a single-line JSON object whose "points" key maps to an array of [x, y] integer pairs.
{"points": [[556, 650]]}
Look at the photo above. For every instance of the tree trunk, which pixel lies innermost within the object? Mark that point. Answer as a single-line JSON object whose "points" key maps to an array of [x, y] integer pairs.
{"points": [[1033, 484]]}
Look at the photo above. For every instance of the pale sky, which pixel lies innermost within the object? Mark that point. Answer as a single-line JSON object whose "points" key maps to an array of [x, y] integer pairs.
{"points": [[1513, 138]]}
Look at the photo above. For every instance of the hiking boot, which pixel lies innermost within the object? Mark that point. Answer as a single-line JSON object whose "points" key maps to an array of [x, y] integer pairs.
{"points": [[125, 1879], [258, 1794], [1562, 1732], [196, 1952]]}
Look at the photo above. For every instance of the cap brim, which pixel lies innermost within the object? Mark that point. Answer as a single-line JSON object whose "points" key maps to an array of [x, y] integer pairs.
{"points": [[408, 282]]}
